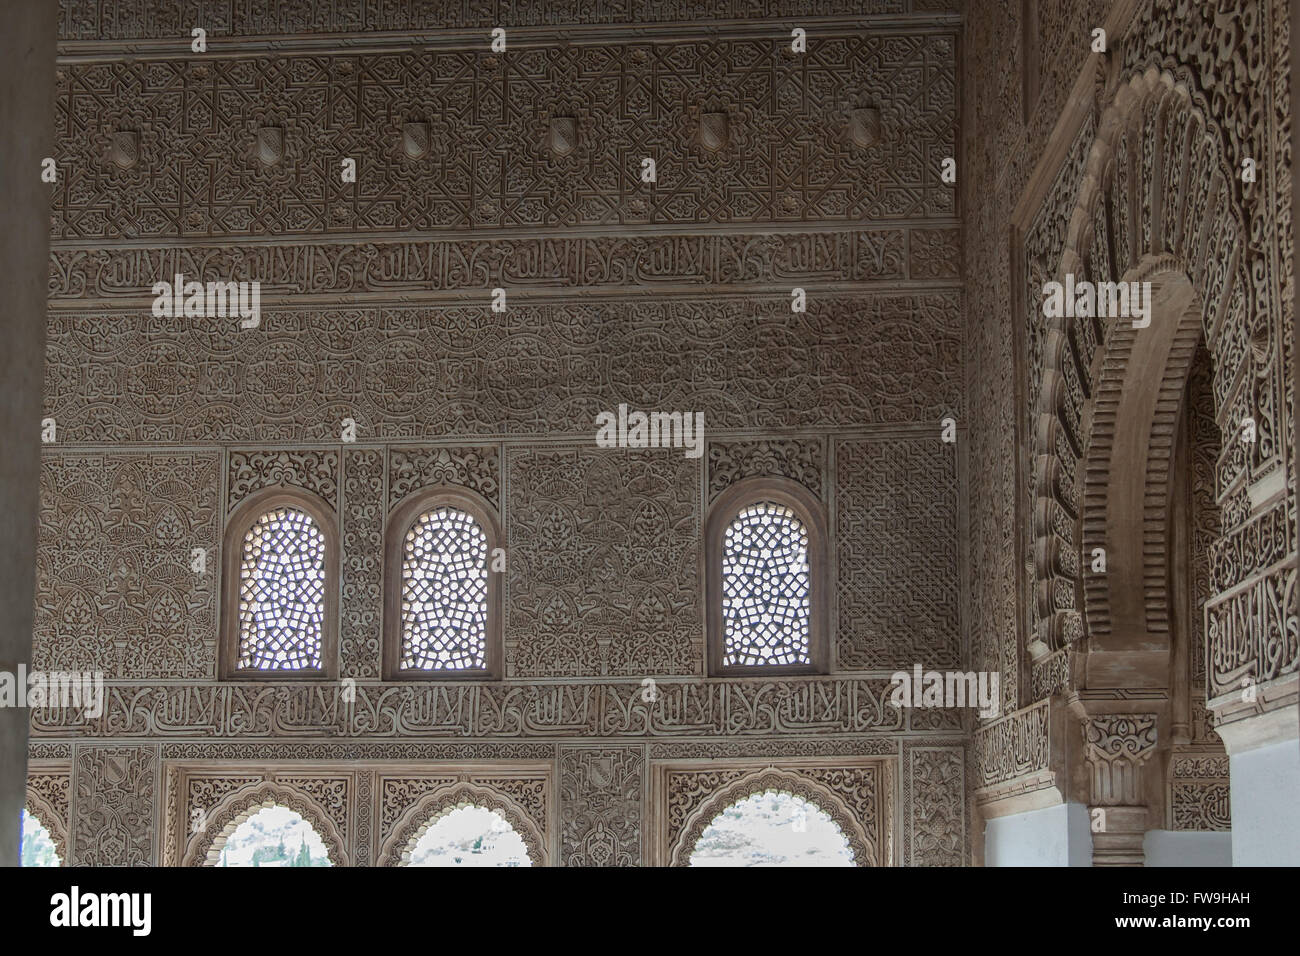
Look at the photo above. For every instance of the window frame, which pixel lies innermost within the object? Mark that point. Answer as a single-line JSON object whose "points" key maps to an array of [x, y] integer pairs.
{"points": [[810, 510], [400, 520], [240, 521]]}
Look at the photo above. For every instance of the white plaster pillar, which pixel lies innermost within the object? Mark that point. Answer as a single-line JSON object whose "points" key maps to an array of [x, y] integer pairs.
{"points": [[1264, 774]]}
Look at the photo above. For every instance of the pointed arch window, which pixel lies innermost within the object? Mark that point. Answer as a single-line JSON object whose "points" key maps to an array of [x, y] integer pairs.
{"points": [[281, 587], [442, 575], [766, 580]]}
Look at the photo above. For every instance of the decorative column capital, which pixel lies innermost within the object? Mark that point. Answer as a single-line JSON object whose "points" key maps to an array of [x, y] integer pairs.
{"points": [[1109, 738], [1115, 748]]}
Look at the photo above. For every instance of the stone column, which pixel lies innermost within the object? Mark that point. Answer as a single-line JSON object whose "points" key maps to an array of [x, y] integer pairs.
{"points": [[27, 121], [1116, 746]]}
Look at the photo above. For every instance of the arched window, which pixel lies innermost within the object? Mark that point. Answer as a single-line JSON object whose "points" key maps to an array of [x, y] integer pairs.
{"points": [[468, 835], [767, 583], [772, 828], [274, 836], [36, 845], [281, 586], [442, 576]]}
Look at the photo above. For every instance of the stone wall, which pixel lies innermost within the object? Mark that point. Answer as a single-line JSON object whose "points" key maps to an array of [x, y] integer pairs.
{"points": [[225, 165]]}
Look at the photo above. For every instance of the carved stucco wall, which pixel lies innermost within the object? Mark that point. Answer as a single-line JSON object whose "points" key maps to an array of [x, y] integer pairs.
{"points": [[376, 308], [1203, 88]]}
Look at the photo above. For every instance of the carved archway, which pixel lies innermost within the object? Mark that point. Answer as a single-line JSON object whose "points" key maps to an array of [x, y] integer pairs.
{"points": [[1159, 201], [416, 820], [1131, 425], [237, 807], [779, 781], [1155, 205]]}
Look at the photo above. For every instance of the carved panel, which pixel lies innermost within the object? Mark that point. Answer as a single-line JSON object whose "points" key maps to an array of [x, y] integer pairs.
{"points": [[357, 750], [246, 146], [477, 468], [115, 20], [1198, 795], [397, 793], [314, 471], [1049, 674], [934, 253], [992, 86], [416, 373], [800, 460], [117, 590], [603, 567], [776, 747], [47, 750], [1203, 448], [1013, 747], [896, 540], [1254, 632], [820, 706], [116, 796], [934, 793], [332, 793], [363, 536], [1260, 542], [601, 806], [463, 269], [203, 793]]}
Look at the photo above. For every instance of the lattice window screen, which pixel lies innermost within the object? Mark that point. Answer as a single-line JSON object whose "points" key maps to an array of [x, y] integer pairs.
{"points": [[765, 587], [282, 592], [444, 592]]}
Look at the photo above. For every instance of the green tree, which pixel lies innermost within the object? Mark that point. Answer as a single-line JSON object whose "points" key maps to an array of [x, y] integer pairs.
{"points": [[268, 854]]}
